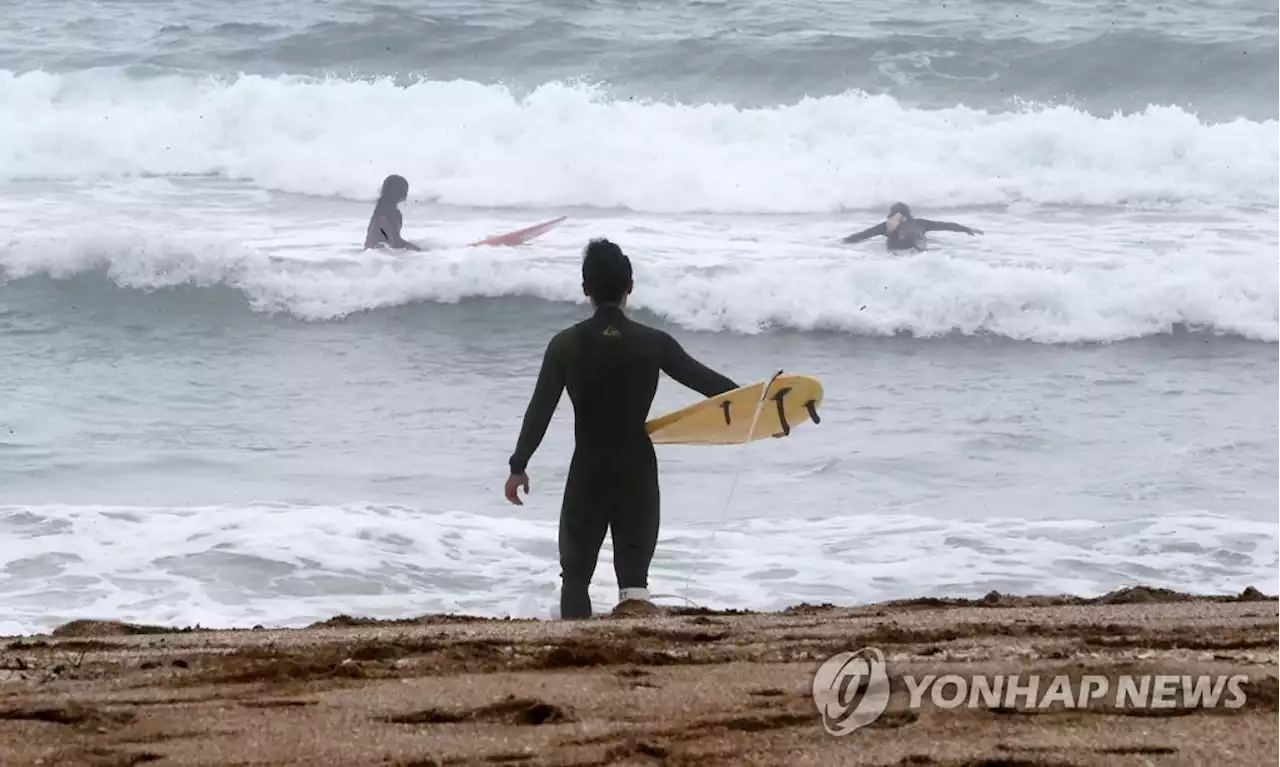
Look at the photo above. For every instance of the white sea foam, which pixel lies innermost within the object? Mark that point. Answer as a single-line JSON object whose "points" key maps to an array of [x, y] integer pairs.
{"points": [[284, 565], [1103, 276], [465, 143], [1049, 293]]}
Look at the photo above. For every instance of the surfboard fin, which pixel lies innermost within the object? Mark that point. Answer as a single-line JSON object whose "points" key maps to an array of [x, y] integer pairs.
{"points": [[778, 398], [782, 411]]}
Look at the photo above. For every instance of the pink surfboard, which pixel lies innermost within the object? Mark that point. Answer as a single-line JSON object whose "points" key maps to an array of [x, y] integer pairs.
{"points": [[520, 236]]}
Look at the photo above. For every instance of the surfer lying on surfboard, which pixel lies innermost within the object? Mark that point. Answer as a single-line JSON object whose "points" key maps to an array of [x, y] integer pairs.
{"points": [[385, 223], [902, 231]]}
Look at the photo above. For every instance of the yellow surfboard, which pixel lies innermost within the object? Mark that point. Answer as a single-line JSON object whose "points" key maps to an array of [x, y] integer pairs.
{"points": [[783, 401]]}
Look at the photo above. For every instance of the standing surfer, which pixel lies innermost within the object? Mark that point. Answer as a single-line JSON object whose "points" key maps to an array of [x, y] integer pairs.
{"points": [[385, 223], [609, 364], [902, 231]]}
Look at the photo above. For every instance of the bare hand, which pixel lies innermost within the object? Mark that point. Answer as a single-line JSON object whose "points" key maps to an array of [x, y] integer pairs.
{"points": [[974, 231], [514, 483]]}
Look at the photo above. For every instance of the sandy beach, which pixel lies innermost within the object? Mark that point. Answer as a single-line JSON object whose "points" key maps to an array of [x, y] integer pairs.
{"points": [[684, 687]]}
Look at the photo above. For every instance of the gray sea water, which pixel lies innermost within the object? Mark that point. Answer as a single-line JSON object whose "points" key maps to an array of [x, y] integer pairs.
{"points": [[215, 408]]}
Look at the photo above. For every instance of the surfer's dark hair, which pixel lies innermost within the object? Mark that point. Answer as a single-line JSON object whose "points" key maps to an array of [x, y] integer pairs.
{"points": [[606, 271], [394, 187]]}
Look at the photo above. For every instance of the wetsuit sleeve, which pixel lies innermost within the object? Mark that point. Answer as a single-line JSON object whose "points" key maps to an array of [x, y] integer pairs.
{"points": [[866, 234], [677, 363], [546, 395], [942, 226]]}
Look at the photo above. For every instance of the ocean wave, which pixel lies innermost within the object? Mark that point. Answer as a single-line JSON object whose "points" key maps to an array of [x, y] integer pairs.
{"points": [[927, 295], [463, 143], [284, 564], [1213, 56]]}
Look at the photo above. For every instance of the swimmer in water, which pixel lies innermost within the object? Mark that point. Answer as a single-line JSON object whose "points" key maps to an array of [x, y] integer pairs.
{"points": [[385, 223], [903, 232], [609, 364]]}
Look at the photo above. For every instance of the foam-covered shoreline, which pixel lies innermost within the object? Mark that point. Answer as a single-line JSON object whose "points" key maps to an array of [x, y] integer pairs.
{"points": [[239, 565]]}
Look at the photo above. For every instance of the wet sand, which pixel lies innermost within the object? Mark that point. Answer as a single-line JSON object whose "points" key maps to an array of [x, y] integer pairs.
{"points": [[686, 687]]}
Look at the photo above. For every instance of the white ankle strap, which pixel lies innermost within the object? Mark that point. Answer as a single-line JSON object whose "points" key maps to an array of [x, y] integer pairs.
{"points": [[633, 593]]}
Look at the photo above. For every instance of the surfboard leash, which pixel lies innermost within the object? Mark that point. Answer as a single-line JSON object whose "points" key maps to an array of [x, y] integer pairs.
{"points": [[733, 487]]}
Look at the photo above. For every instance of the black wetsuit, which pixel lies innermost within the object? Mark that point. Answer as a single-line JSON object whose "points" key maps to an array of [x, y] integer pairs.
{"points": [[908, 234], [610, 366]]}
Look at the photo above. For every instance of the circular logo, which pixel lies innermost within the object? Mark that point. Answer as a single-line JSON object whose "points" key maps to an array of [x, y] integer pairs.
{"points": [[836, 688]]}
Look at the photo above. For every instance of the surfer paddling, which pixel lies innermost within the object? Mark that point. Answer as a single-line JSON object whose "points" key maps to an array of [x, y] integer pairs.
{"points": [[609, 364], [385, 223], [902, 231]]}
